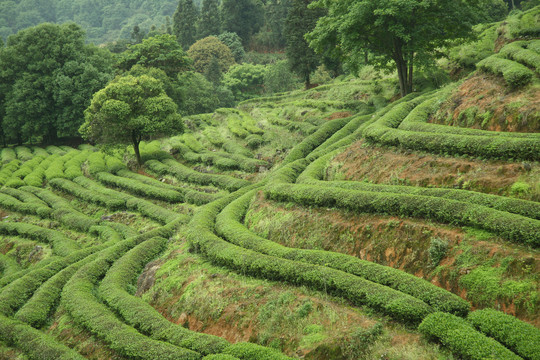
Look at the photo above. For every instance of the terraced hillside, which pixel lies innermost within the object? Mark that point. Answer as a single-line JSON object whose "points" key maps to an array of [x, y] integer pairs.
{"points": [[277, 223]]}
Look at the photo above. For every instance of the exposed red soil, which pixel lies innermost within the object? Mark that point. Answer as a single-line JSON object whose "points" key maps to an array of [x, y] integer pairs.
{"points": [[517, 110], [391, 166], [339, 115], [395, 242]]}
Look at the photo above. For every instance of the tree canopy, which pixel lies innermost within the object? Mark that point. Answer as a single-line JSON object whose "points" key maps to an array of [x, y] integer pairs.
{"points": [[405, 32], [204, 50], [302, 59], [47, 77], [129, 110], [184, 20], [160, 51]]}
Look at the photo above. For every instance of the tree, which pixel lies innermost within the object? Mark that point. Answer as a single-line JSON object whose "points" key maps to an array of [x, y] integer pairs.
{"points": [[405, 32], [47, 78], [129, 110], [204, 50], [184, 20], [209, 21], [302, 59], [161, 51], [243, 17], [233, 41]]}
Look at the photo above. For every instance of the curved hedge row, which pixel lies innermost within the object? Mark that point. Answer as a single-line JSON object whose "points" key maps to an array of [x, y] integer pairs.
{"points": [[23, 153], [228, 225], [519, 336], [518, 51], [463, 339], [140, 314], [86, 194], [34, 343], [62, 210], [16, 293], [314, 140], [385, 131], [184, 173], [190, 196], [314, 172], [359, 291], [513, 227], [8, 155], [139, 188], [514, 73], [8, 170], [80, 301], [10, 203], [417, 119], [60, 244]]}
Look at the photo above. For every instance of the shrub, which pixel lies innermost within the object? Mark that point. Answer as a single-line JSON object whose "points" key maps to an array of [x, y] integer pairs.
{"points": [[254, 141], [519, 336], [359, 291], [183, 173], [23, 153], [34, 343], [139, 188], [84, 307], [8, 155], [437, 250], [462, 339], [138, 313], [511, 226], [514, 73], [60, 244], [228, 224], [92, 196]]}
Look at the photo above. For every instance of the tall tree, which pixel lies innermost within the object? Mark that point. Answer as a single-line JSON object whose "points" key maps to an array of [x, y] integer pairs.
{"points": [[405, 32], [161, 51], [204, 51], [243, 17], [129, 110], [209, 21], [301, 20], [184, 21], [47, 78]]}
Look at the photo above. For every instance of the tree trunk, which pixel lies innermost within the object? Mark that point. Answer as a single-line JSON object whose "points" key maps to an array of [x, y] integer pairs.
{"points": [[136, 142], [410, 75], [307, 81], [401, 65]]}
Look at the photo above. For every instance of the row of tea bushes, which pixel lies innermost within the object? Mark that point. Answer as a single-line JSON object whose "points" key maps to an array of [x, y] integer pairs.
{"points": [[359, 291], [460, 337], [513, 227], [228, 225], [314, 174]]}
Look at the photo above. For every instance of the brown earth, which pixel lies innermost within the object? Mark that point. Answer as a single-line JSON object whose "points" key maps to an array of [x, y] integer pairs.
{"points": [[485, 102], [400, 243], [392, 166]]}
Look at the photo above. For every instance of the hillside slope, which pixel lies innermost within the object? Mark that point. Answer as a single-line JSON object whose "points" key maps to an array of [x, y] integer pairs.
{"points": [[322, 224]]}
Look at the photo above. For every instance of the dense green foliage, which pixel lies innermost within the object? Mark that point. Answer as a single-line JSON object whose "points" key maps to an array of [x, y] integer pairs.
{"points": [[129, 110], [48, 75]]}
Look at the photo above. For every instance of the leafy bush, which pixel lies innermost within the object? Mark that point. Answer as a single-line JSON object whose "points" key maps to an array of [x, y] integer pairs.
{"points": [[34, 343], [228, 224], [359, 291], [510, 226], [437, 250], [139, 188], [81, 302], [142, 316], [514, 73], [462, 338], [183, 173], [92, 196], [519, 336]]}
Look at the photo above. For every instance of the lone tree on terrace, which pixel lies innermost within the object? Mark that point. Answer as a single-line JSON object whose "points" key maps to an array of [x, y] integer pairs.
{"points": [[128, 110], [406, 33]]}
